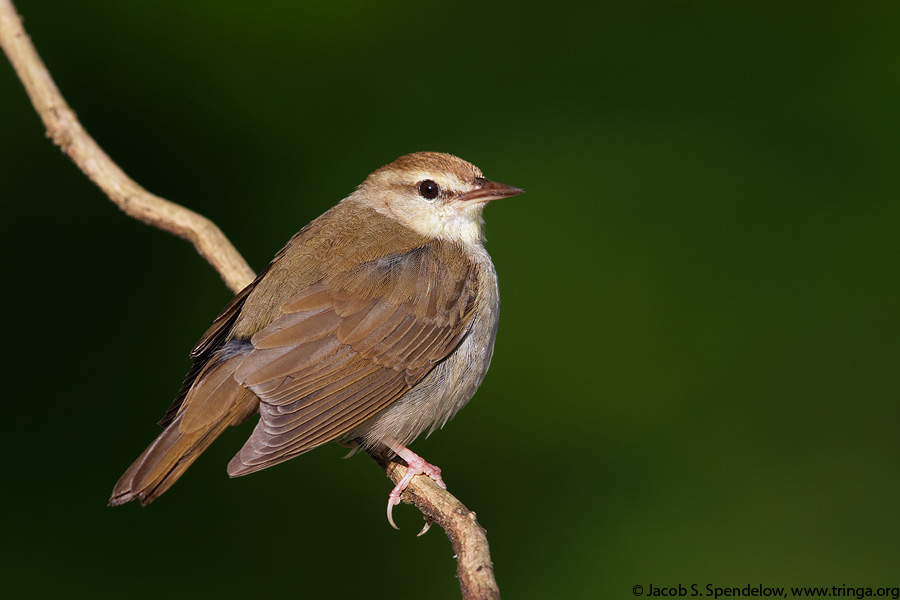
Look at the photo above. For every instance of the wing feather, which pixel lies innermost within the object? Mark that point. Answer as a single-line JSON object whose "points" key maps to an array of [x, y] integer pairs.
{"points": [[294, 328], [347, 345], [277, 363]]}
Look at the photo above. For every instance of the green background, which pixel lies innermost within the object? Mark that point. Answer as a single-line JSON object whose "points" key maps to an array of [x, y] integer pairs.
{"points": [[696, 374]]}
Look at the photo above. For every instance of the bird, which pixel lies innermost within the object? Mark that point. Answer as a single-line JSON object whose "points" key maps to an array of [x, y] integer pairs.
{"points": [[374, 324]]}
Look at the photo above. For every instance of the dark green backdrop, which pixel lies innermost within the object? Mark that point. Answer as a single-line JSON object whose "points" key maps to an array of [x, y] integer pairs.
{"points": [[696, 375]]}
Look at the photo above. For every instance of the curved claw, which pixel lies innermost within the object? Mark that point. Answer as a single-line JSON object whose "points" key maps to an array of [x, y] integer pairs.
{"points": [[394, 496], [425, 528], [390, 511], [354, 448]]}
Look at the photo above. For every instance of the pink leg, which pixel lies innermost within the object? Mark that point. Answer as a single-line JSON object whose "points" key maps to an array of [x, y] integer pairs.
{"points": [[417, 466]]}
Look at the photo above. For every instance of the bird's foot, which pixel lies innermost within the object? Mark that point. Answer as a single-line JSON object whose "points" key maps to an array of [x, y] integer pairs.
{"points": [[416, 466]]}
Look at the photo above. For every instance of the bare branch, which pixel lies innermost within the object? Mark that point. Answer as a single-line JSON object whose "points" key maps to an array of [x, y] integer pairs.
{"points": [[66, 132], [474, 566], [473, 557]]}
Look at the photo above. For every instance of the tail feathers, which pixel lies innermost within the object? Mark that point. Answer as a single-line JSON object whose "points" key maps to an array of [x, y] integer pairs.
{"points": [[215, 402]]}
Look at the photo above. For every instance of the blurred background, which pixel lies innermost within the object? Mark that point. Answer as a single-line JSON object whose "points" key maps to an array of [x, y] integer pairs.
{"points": [[696, 374]]}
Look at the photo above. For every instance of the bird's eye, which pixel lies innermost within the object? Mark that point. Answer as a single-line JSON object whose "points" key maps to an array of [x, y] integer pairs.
{"points": [[429, 189]]}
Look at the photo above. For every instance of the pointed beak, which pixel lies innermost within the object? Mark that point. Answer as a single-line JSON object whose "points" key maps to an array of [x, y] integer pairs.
{"points": [[486, 190]]}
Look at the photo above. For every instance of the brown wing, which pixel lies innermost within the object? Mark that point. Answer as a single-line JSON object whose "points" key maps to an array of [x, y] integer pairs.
{"points": [[349, 344]]}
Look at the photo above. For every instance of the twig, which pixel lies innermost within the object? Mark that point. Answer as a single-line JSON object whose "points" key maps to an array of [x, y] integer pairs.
{"points": [[474, 567], [66, 132], [473, 557]]}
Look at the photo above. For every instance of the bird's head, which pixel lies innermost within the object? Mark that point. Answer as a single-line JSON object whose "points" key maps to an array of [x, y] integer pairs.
{"points": [[437, 195]]}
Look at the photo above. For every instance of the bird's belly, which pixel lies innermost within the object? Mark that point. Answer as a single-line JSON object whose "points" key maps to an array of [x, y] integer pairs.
{"points": [[447, 387]]}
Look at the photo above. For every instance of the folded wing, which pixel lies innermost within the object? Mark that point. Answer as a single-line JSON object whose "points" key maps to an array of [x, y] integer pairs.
{"points": [[351, 343]]}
